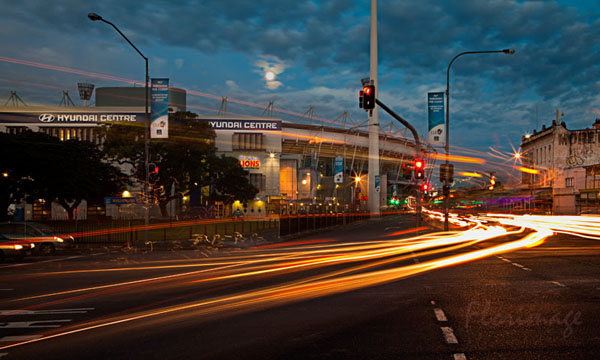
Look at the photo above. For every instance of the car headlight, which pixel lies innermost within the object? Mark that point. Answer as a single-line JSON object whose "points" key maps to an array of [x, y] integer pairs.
{"points": [[56, 238], [32, 245], [18, 247]]}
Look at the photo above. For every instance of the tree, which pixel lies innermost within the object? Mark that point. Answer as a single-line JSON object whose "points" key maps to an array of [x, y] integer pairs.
{"points": [[229, 180], [186, 161], [40, 166]]}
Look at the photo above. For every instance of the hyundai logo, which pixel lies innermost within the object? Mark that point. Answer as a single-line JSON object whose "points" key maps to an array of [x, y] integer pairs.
{"points": [[46, 118]]}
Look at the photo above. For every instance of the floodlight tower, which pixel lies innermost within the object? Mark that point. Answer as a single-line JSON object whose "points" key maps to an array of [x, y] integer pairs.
{"points": [[85, 92]]}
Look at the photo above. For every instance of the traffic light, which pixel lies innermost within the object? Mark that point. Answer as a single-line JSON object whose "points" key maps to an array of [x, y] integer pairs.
{"points": [[425, 188], [361, 99], [447, 172], [368, 97], [419, 169], [492, 182], [152, 172], [406, 171]]}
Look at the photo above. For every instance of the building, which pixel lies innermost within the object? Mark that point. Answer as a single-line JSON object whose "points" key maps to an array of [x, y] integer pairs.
{"points": [[566, 168], [291, 164]]}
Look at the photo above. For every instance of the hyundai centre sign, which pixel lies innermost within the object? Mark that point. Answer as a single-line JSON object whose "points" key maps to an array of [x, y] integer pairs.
{"points": [[244, 124], [68, 117]]}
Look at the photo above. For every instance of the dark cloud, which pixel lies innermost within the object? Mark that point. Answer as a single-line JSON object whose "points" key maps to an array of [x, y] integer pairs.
{"points": [[557, 62]]}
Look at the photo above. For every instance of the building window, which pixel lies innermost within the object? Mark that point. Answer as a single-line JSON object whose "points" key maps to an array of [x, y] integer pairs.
{"points": [[248, 141], [569, 182], [259, 181]]}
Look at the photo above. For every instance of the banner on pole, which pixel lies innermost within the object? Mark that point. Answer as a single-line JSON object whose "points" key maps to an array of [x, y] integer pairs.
{"points": [[338, 170], [435, 106], [159, 125]]}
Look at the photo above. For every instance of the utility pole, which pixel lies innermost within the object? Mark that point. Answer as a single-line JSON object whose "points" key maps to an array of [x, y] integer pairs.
{"points": [[373, 194]]}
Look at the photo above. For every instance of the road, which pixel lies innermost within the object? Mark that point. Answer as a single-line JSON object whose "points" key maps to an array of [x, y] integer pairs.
{"points": [[373, 290]]}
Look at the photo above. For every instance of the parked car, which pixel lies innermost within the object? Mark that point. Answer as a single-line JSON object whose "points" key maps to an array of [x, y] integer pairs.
{"points": [[47, 241], [14, 248]]}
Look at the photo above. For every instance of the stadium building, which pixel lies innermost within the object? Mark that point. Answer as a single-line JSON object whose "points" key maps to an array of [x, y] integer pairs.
{"points": [[292, 164]]}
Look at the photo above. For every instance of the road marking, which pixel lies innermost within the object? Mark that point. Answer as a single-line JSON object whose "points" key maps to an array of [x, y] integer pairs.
{"points": [[20, 338], [558, 284], [6, 289], [415, 260], [31, 324], [459, 356], [517, 265], [526, 268], [45, 312], [3, 354], [439, 314], [449, 335]]}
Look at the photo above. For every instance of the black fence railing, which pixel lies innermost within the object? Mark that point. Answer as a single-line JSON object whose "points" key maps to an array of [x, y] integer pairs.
{"points": [[294, 224], [120, 232]]}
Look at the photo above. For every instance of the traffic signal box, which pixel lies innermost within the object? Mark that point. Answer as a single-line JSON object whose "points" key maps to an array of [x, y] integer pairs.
{"points": [[492, 182], [419, 169], [366, 97], [447, 172], [406, 171]]}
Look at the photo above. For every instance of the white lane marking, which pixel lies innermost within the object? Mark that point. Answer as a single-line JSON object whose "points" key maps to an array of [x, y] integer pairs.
{"points": [[449, 335], [20, 338], [459, 356], [31, 324], [517, 265], [526, 268], [506, 260], [45, 312], [3, 354], [432, 302], [439, 314], [6, 289], [558, 284]]}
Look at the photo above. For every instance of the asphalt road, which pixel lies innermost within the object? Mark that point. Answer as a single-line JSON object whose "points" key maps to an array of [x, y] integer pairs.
{"points": [[308, 301]]}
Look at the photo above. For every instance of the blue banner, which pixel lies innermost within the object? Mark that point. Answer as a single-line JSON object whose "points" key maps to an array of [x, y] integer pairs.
{"points": [[159, 125], [338, 169], [435, 106]]}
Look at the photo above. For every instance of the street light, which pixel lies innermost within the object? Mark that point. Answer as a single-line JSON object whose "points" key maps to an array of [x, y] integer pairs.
{"points": [[446, 189], [96, 17]]}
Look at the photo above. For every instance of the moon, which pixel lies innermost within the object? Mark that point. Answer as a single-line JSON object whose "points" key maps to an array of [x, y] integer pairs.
{"points": [[270, 76]]}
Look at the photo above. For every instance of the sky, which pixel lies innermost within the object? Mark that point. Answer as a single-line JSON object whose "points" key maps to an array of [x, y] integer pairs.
{"points": [[316, 53]]}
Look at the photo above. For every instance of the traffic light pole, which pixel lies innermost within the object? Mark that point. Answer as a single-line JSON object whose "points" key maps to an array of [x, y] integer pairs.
{"points": [[417, 149]]}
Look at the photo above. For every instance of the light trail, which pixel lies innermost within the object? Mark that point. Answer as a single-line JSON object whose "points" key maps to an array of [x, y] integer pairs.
{"points": [[369, 257], [331, 283]]}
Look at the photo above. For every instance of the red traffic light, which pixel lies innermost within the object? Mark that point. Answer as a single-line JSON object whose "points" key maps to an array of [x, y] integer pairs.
{"points": [[425, 187], [419, 164], [367, 90]]}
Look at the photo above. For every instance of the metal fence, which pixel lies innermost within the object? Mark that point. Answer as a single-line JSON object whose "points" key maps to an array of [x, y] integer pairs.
{"points": [[120, 232], [131, 232], [294, 224]]}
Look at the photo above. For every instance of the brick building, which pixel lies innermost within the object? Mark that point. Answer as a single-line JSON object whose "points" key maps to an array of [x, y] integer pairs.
{"points": [[568, 168]]}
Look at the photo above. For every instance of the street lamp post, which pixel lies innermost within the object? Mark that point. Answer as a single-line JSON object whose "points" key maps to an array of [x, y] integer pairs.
{"points": [[96, 17], [446, 188]]}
